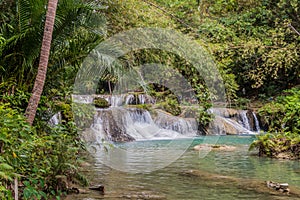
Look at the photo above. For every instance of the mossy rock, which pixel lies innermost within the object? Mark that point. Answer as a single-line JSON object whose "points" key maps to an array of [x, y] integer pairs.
{"points": [[173, 109], [100, 103], [143, 106]]}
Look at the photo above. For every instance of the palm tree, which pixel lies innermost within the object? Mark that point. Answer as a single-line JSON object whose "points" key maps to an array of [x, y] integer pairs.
{"points": [[43, 63]]}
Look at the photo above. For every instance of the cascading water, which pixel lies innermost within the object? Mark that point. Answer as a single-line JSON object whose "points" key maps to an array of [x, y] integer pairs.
{"points": [[127, 124], [116, 100], [119, 123], [257, 127], [129, 99], [231, 121], [243, 119], [55, 119]]}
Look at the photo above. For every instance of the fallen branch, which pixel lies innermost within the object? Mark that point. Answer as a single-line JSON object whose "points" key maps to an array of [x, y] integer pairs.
{"points": [[294, 29]]}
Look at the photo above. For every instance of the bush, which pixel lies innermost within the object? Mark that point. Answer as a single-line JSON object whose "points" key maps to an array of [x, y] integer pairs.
{"points": [[39, 157], [282, 117]]}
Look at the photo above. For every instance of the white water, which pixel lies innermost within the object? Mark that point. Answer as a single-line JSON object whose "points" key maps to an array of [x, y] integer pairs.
{"points": [[125, 124], [116, 100], [138, 124], [55, 119], [231, 121], [244, 119], [257, 127]]}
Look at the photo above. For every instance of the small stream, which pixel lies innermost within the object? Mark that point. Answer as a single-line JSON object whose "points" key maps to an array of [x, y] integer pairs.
{"points": [[172, 183]]}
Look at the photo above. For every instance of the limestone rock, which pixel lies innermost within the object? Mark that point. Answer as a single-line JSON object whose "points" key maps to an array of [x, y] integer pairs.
{"points": [[200, 147]]}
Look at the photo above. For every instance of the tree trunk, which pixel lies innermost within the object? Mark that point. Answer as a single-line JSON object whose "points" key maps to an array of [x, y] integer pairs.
{"points": [[43, 63]]}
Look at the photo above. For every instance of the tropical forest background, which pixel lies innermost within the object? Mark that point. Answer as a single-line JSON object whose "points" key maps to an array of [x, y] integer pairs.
{"points": [[255, 45]]}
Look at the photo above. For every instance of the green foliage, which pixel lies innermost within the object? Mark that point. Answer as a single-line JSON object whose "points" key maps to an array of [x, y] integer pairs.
{"points": [[171, 106], [5, 193], [83, 115], [78, 28], [251, 39], [143, 106], [37, 155], [265, 144], [283, 114], [276, 145], [283, 118]]}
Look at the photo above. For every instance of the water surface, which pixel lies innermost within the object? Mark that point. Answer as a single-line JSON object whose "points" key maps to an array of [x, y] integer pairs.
{"points": [[173, 183]]}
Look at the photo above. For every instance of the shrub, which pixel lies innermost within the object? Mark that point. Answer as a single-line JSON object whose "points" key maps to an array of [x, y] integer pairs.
{"points": [[38, 156]]}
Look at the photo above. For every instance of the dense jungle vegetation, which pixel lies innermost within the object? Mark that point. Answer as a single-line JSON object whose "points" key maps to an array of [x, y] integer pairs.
{"points": [[255, 45]]}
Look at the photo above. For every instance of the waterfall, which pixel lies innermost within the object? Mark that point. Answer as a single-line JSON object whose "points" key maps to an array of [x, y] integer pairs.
{"points": [[187, 126], [232, 121], [116, 100], [55, 119], [118, 123], [129, 99], [256, 122], [127, 124], [243, 119]]}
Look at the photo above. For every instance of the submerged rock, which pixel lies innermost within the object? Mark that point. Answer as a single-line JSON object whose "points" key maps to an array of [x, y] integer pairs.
{"points": [[143, 195], [246, 184], [200, 147]]}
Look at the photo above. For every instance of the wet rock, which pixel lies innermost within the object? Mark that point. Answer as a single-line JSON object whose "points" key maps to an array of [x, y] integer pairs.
{"points": [[200, 147], [73, 190], [259, 186], [112, 124], [99, 188], [179, 124], [84, 164], [100, 102], [232, 122], [284, 155], [224, 126], [143, 195], [83, 191], [281, 187]]}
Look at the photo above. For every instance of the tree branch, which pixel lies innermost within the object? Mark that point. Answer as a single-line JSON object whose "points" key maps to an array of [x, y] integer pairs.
{"points": [[294, 29]]}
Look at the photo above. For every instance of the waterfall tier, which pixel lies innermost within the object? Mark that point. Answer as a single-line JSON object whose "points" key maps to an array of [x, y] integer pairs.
{"points": [[117, 100], [127, 124], [231, 121], [118, 123]]}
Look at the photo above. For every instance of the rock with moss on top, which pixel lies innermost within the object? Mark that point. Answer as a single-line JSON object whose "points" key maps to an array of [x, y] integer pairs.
{"points": [[100, 102]]}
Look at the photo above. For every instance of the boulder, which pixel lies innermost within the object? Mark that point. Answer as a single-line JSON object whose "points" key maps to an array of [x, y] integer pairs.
{"points": [[100, 102], [281, 187]]}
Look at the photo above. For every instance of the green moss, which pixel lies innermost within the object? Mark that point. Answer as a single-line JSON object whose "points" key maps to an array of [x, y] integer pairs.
{"points": [[142, 106], [100, 103]]}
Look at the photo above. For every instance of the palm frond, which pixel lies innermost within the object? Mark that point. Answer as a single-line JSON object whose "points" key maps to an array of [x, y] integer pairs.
{"points": [[23, 10]]}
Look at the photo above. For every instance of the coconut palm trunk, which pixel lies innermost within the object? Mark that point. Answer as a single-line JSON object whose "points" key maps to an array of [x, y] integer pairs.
{"points": [[43, 63]]}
